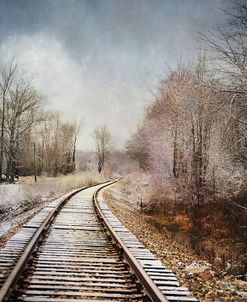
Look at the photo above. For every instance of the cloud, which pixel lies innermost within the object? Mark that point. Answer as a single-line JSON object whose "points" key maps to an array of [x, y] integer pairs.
{"points": [[98, 60], [92, 93], [54, 72]]}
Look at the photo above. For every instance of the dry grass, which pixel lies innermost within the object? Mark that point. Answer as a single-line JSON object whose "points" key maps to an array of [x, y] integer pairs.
{"points": [[57, 185], [28, 193]]}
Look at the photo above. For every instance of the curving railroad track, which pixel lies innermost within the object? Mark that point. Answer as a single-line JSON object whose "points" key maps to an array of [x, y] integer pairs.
{"points": [[75, 249]]}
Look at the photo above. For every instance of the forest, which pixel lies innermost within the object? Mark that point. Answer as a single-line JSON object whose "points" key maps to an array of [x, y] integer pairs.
{"points": [[192, 144]]}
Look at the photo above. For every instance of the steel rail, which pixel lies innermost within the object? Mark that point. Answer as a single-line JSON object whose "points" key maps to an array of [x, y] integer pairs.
{"points": [[10, 283], [151, 288]]}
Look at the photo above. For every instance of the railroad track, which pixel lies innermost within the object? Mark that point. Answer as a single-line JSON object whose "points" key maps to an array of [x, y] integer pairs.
{"points": [[75, 249]]}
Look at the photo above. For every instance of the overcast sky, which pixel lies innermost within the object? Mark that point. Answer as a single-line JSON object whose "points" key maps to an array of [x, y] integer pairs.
{"points": [[99, 60]]}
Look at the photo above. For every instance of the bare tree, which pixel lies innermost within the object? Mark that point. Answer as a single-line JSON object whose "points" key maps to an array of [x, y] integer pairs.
{"points": [[20, 103], [21, 115], [227, 44], [56, 145], [103, 142], [7, 75], [77, 127]]}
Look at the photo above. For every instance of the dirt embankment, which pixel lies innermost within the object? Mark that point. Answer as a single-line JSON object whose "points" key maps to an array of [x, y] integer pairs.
{"points": [[215, 230], [207, 282]]}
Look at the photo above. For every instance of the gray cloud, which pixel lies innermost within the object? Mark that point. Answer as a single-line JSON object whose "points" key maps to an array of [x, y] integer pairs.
{"points": [[98, 60]]}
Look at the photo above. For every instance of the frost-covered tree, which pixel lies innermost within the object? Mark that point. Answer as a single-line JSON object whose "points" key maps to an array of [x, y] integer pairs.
{"points": [[179, 133], [227, 47]]}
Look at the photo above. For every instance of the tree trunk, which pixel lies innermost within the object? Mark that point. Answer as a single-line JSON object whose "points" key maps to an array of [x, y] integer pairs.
{"points": [[34, 162], [175, 156], [2, 136]]}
